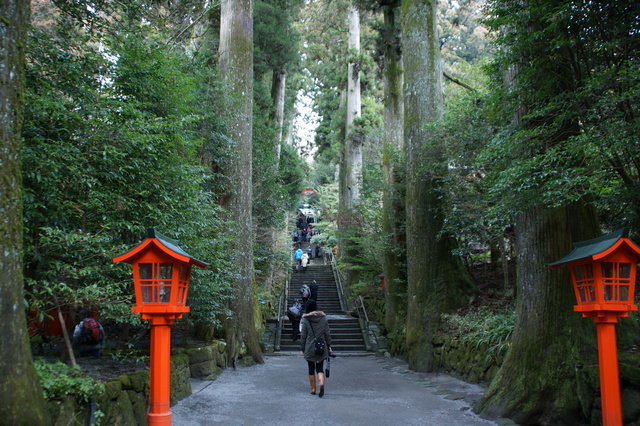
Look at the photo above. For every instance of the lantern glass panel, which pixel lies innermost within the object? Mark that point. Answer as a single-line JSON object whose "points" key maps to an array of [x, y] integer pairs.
{"points": [[625, 270], [166, 270], [607, 270], [616, 281], [145, 270], [155, 282], [146, 273], [164, 290], [585, 283], [183, 283], [624, 293]]}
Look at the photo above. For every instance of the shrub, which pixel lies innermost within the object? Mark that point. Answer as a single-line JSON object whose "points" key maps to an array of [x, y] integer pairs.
{"points": [[59, 380], [483, 326]]}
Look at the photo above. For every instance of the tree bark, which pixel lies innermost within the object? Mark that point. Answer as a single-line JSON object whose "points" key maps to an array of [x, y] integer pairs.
{"points": [[392, 200], [437, 281], [351, 166], [542, 379], [353, 151], [236, 71], [277, 94], [22, 401]]}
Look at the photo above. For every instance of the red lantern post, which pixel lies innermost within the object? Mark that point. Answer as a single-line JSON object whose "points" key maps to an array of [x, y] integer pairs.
{"points": [[603, 273], [161, 274]]}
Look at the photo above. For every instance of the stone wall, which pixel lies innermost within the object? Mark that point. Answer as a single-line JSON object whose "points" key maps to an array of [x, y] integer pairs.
{"points": [[476, 363], [470, 361], [124, 401]]}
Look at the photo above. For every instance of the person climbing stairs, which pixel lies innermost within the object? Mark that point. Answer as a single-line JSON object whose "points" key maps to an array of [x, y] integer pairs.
{"points": [[346, 333]]}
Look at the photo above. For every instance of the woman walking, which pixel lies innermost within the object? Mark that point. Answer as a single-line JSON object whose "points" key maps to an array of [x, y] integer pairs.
{"points": [[304, 262], [315, 327]]}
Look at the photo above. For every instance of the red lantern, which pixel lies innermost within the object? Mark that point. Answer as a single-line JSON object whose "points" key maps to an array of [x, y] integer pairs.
{"points": [[603, 273], [161, 274]]}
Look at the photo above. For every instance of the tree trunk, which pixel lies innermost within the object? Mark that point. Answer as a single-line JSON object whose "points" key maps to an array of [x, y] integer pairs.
{"points": [[20, 391], [437, 281], [277, 94], [542, 378], [392, 199], [343, 214], [353, 144], [351, 160], [278, 84], [236, 71]]}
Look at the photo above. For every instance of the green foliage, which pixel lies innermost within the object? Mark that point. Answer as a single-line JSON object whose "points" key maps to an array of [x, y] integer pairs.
{"points": [[127, 355], [322, 174], [562, 146], [369, 123], [292, 174], [472, 215], [483, 326], [276, 40], [462, 35], [324, 54], [59, 380], [116, 141], [146, 72]]}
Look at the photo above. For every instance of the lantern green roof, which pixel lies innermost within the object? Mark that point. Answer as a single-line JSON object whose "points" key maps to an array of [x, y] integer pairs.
{"points": [[166, 244], [172, 245], [588, 248]]}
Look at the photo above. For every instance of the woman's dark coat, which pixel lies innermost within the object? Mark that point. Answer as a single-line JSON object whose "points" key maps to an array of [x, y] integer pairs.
{"points": [[318, 320]]}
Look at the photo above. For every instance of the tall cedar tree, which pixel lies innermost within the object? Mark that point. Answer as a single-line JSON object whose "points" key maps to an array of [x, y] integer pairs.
{"points": [[392, 205], [236, 70], [545, 374], [437, 281], [20, 392], [353, 143], [351, 167]]}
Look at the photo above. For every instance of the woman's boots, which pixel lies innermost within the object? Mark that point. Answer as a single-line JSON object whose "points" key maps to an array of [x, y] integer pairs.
{"points": [[312, 383], [321, 383]]}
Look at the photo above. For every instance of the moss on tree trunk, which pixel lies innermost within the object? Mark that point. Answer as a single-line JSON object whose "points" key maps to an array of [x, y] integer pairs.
{"points": [[541, 379], [22, 401], [236, 70], [392, 199], [436, 279]]}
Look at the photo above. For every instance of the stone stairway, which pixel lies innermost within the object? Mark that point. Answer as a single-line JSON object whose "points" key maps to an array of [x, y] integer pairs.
{"points": [[346, 333]]}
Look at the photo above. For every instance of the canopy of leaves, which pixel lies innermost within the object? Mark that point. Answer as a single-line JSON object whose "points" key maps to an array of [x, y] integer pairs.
{"points": [[112, 145], [574, 139], [122, 132]]}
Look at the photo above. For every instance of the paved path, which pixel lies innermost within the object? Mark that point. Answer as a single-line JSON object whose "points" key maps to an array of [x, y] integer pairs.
{"points": [[360, 391]]}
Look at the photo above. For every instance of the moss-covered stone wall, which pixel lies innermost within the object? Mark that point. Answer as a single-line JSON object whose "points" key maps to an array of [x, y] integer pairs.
{"points": [[477, 363], [470, 361], [124, 401]]}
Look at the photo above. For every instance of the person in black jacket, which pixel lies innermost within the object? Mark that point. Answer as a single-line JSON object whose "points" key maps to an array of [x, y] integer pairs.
{"points": [[295, 315], [313, 287], [315, 326]]}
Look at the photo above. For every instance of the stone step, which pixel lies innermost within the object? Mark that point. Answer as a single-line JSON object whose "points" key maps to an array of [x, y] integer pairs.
{"points": [[336, 346], [346, 334]]}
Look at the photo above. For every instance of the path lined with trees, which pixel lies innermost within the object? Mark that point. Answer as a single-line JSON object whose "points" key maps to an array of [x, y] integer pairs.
{"points": [[455, 138]]}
